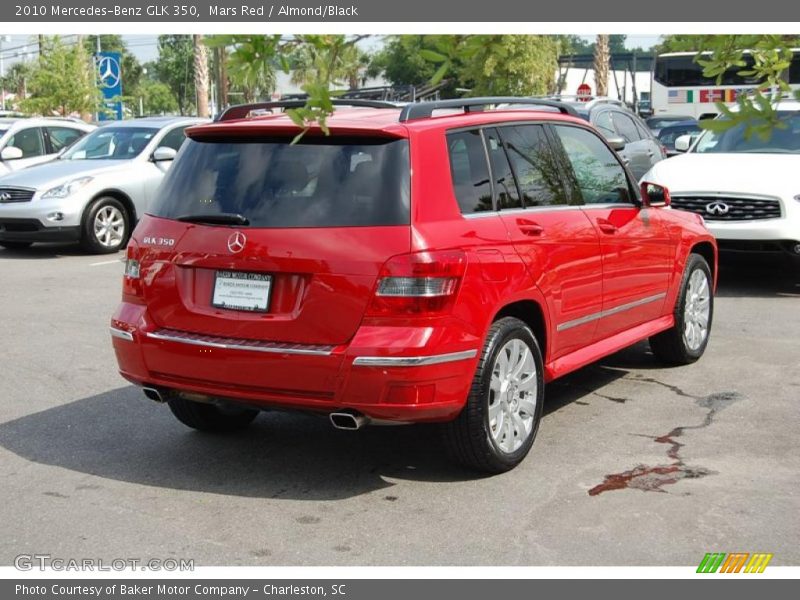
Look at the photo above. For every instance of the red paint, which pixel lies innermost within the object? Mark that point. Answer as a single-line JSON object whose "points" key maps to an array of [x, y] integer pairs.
{"points": [[570, 263]]}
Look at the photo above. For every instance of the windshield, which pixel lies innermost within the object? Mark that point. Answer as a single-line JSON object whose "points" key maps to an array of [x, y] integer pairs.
{"points": [[3, 131], [781, 140], [111, 143], [319, 182]]}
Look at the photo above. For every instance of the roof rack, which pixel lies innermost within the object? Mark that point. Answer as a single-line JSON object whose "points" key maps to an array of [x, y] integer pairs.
{"points": [[421, 110], [241, 111]]}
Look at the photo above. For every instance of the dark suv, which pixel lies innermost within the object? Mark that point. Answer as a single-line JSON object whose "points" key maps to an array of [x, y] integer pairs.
{"points": [[404, 267]]}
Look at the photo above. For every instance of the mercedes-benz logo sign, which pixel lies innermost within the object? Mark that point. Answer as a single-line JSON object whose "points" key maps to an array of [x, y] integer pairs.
{"points": [[717, 208], [236, 242], [5, 196], [109, 71]]}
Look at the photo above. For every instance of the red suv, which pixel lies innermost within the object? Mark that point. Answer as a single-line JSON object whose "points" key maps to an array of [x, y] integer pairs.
{"points": [[437, 262]]}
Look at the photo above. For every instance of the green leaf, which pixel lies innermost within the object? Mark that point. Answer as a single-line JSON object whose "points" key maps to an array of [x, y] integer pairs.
{"points": [[432, 56]]}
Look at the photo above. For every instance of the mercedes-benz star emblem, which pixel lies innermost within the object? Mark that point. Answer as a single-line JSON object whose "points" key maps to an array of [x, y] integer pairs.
{"points": [[236, 242], [717, 208], [109, 71], [5, 196]]}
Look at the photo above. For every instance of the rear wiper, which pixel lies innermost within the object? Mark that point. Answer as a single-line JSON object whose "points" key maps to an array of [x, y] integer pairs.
{"points": [[216, 219]]}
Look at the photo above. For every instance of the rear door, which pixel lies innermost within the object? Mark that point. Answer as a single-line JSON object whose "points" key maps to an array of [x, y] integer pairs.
{"points": [[635, 244], [556, 240], [316, 221]]}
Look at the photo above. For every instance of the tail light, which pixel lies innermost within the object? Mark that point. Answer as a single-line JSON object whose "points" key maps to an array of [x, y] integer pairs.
{"points": [[419, 284], [131, 284]]}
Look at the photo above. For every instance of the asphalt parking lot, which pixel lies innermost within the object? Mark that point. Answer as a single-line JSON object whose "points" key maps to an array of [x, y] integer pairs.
{"points": [[634, 464]]}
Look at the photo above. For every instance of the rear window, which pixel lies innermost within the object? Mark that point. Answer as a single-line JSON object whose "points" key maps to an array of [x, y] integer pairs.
{"points": [[319, 182]]}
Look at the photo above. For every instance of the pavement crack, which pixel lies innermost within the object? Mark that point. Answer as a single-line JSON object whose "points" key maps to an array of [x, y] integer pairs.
{"points": [[653, 478]]}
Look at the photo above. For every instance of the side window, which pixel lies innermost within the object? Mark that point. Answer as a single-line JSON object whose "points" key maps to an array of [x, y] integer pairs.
{"points": [[469, 171], [625, 127], [61, 137], [644, 133], [603, 123], [174, 138], [535, 164], [29, 141], [598, 174], [504, 184]]}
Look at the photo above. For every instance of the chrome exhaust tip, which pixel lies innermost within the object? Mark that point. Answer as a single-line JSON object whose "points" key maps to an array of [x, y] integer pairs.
{"points": [[153, 394], [348, 421]]}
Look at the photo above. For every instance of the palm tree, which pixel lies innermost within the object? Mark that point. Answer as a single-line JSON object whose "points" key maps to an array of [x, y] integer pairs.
{"points": [[201, 77], [601, 61]]}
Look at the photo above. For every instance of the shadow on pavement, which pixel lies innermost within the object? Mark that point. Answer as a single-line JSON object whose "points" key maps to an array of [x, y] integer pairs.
{"points": [[758, 276], [123, 436]]}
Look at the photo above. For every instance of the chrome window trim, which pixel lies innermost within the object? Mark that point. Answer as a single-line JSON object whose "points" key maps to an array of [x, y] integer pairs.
{"points": [[412, 361], [611, 311], [555, 207], [160, 335], [121, 334]]}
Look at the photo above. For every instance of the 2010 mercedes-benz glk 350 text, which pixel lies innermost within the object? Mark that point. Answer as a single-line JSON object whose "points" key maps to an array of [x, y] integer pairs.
{"points": [[437, 262]]}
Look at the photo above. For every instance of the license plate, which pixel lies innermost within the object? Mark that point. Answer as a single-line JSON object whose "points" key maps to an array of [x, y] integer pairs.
{"points": [[236, 290]]}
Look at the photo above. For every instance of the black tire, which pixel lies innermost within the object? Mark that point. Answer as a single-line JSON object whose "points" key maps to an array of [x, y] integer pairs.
{"points": [[89, 239], [671, 346], [469, 439], [210, 417], [16, 245]]}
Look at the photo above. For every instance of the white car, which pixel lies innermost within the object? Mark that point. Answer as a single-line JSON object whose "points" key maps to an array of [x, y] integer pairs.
{"points": [[28, 142], [746, 188]]}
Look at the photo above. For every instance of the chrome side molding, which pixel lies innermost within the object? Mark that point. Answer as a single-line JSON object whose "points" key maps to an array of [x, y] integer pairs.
{"points": [[413, 361]]}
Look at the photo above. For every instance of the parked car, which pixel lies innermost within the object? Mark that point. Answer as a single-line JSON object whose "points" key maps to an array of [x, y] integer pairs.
{"points": [[655, 124], [626, 132], [744, 186], [27, 142], [95, 191], [408, 267], [668, 134]]}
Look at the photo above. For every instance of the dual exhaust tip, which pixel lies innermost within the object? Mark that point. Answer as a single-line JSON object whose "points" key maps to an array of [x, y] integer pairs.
{"points": [[348, 421]]}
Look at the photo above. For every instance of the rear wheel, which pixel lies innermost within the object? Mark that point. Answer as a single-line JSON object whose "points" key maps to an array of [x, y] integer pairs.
{"points": [[210, 417], [16, 245], [498, 425], [106, 226], [686, 341]]}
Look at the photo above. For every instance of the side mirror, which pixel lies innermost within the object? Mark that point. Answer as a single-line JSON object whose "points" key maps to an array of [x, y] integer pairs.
{"points": [[617, 143], [164, 153], [654, 195], [11, 153], [684, 142]]}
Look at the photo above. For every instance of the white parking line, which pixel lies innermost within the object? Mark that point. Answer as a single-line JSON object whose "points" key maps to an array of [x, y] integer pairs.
{"points": [[106, 262]]}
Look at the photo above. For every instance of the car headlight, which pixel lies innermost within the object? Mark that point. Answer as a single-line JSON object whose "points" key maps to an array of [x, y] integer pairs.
{"points": [[66, 189]]}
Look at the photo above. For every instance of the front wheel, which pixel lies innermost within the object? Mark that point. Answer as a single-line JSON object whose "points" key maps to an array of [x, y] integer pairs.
{"points": [[496, 429], [106, 226], [686, 341]]}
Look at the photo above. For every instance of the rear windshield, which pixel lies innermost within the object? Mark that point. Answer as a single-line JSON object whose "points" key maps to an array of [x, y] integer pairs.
{"points": [[319, 182]]}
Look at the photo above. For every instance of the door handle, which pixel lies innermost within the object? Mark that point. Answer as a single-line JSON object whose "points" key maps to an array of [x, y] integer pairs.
{"points": [[607, 226], [529, 227]]}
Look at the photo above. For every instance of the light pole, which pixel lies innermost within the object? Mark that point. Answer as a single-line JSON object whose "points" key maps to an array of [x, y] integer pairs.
{"points": [[3, 38]]}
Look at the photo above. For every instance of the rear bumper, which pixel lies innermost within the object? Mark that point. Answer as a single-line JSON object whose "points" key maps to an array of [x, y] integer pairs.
{"points": [[403, 374]]}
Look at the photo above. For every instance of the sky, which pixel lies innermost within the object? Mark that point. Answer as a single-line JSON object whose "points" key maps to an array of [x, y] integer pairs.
{"points": [[145, 47]]}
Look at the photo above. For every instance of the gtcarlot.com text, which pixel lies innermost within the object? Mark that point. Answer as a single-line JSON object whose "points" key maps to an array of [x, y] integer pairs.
{"points": [[30, 562]]}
